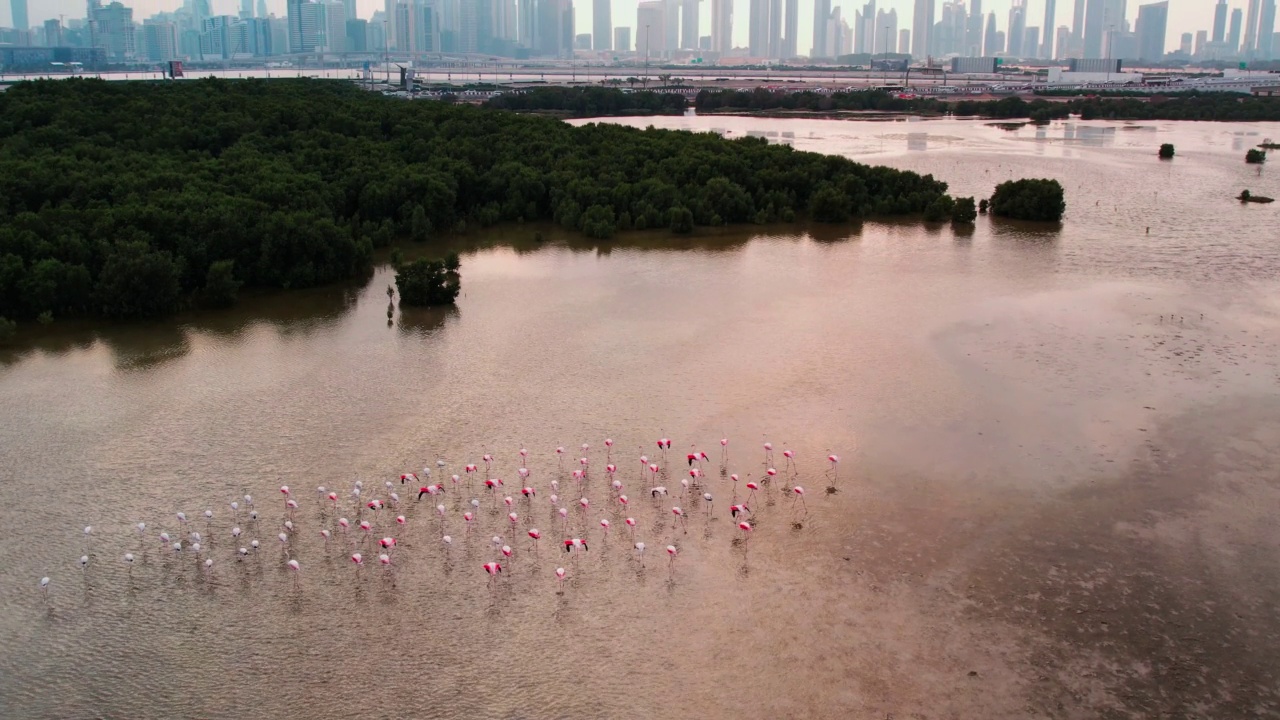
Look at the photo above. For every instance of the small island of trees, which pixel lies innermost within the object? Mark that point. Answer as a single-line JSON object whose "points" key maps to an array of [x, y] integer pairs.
{"points": [[1031, 199], [1254, 156], [1166, 151]]}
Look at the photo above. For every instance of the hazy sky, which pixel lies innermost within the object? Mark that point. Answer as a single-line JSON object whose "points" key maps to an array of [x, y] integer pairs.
{"points": [[1184, 15]]}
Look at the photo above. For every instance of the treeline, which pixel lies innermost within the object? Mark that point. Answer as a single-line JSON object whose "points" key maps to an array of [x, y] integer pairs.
{"points": [[1183, 106], [583, 102], [127, 199]]}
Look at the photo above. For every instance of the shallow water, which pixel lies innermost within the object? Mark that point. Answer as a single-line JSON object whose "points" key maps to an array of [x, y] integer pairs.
{"points": [[1058, 451]]}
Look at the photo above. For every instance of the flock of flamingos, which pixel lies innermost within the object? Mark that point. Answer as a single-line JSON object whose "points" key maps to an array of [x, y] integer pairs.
{"points": [[368, 522]]}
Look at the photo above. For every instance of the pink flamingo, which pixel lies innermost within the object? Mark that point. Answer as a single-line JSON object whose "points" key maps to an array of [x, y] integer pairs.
{"points": [[724, 451], [605, 524], [488, 462], [734, 478], [653, 470], [710, 502], [735, 509], [657, 491], [610, 469], [768, 453], [835, 467], [385, 559], [284, 490], [671, 557], [623, 500], [493, 569], [679, 517], [535, 535], [493, 484], [524, 453], [584, 503], [640, 552], [564, 515], [799, 495], [523, 473], [514, 518], [432, 490], [753, 487], [696, 456], [560, 458], [578, 476], [333, 498], [770, 472], [456, 480], [358, 559], [506, 551], [344, 524], [325, 534], [616, 485], [528, 492], [560, 578], [575, 544], [631, 526], [608, 444], [508, 501], [468, 517], [791, 459]]}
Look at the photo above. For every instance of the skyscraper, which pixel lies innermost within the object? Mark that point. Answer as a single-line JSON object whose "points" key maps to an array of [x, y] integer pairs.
{"points": [[1267, 30], [886, 31], [348, 8], [262, 8], [19, 11], [864, 28], [159, 40], [671, 25], [775, 28], [1251, 29], [1064, 42], [904, 42], [622, 39], [791, 21], [921, 28], [293, 10], [758, 29], [973, 30], [821, 12], [527, 21], [602, 25], [53, 33], [1220, 21], [1046, 50], [335, 27], [688, 24], [1017, 29], [1233, 37], [246, 10], [1077, 30], [116, 31], [1153, 21], [1202, 39], [650, 35], [990, 40], [721, 26], [1093, 29]]}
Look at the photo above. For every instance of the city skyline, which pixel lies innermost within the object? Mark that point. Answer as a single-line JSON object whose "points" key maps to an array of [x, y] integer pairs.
{"points": [[1184, 16]]}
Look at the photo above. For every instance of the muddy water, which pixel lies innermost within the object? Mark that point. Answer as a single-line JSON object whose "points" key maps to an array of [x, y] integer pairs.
{"points": [[1054, 499]]}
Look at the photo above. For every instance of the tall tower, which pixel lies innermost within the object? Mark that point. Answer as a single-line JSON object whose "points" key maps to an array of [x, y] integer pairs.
{"points": [[792, 29], [921, 29], [1266, 30], [758, 29], [1046, 49], [1233, 35], [1251, 30], [1220, 21], [1017, 30], [20, 20], [1093, 28], [721, 26], [688, 24], [602, 25], [821, 12]]}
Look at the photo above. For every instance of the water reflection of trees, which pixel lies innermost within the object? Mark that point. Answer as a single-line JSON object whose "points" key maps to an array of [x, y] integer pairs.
{"points": [[425, 321]]}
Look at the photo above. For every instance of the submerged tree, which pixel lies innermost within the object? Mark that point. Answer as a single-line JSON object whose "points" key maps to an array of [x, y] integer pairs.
{"points": [[427, 282], [1031, 199], [1166, 151], [963, 212], [1255, 156]]}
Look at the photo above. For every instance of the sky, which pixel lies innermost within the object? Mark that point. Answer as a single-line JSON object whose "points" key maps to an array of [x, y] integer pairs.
{"points": [[1184, 15]]}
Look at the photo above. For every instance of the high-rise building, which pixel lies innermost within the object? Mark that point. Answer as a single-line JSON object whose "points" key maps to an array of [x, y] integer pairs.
{"points": [[1046, 50], [159, 40], [864, 28], [886, 31], [622, 39], [471, 14], [1064, 42], [921, 28], [1220, 21], [671, 25], [791, 28], [1030, 41], [775, 28], [1093, 29], [53, 33], [1017, 29], [821, 14], [348, 9], [1152, 27], [527, 23], [1184, 44], [311, 27], [335, 27], [602, 25], [262, 8], [1267, 30], [989, 46], [18, 8], [246, 9], [689, 25], [505, 29], [904, 42], [1077, 30], [973, 30], [357, 35], [721, 26], [293, 10], [115, 31], [1233, 36], [758, 30], [1251, 29], [650, 33], [1202, 42]]}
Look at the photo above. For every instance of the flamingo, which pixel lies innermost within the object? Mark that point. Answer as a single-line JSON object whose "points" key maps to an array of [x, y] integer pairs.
{"points": [[128, 558], [44, 588], [735, 509], [771, 472], [575, 544], [605, 524], [528, 493], [610, 469], [653, 470], [608, 444], [707, 497], [244, 552], [253, 544], [468, 517], [514, 518], [791, 459], [506, 551], [508, 501], [835, 467], [524, 453], [584, 504], [177, 547], [358, 559], [535, 535], [284, 490], [696, 456], [560, 458], [622, 499], [387, 543], [432, 490], [325, 534], [799, 495], [564, 515], [753, 487], [84, 561], [640, 552], [288, 525], [560, 578], [294, 566], [631, 525], [333, 498], [523, 473], [768, 453], [208, 565], [658, 490], [746, 529], [235, 532], [724, 451], [493, 569], [671, 557], [679, 516], [734, 478], [344, 524], [455, 479], [493, 484], [385, 559], [488, 462], [408, 478]]}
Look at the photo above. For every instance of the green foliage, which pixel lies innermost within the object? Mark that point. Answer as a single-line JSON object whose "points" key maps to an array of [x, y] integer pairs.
{"points": [[983, 204], [117, 199], [681, 219], [1245, 195], [427, 282], [220, 285], [581, 102], [829, 205], [1032, 199], [963, 211], [940, 209], [45, 318], [452, 262], [1255, 156], [1166, 151], [598, 222]]}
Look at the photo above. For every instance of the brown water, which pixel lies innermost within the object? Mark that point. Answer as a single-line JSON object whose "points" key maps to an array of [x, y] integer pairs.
{"points": [[1056, 494]]}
